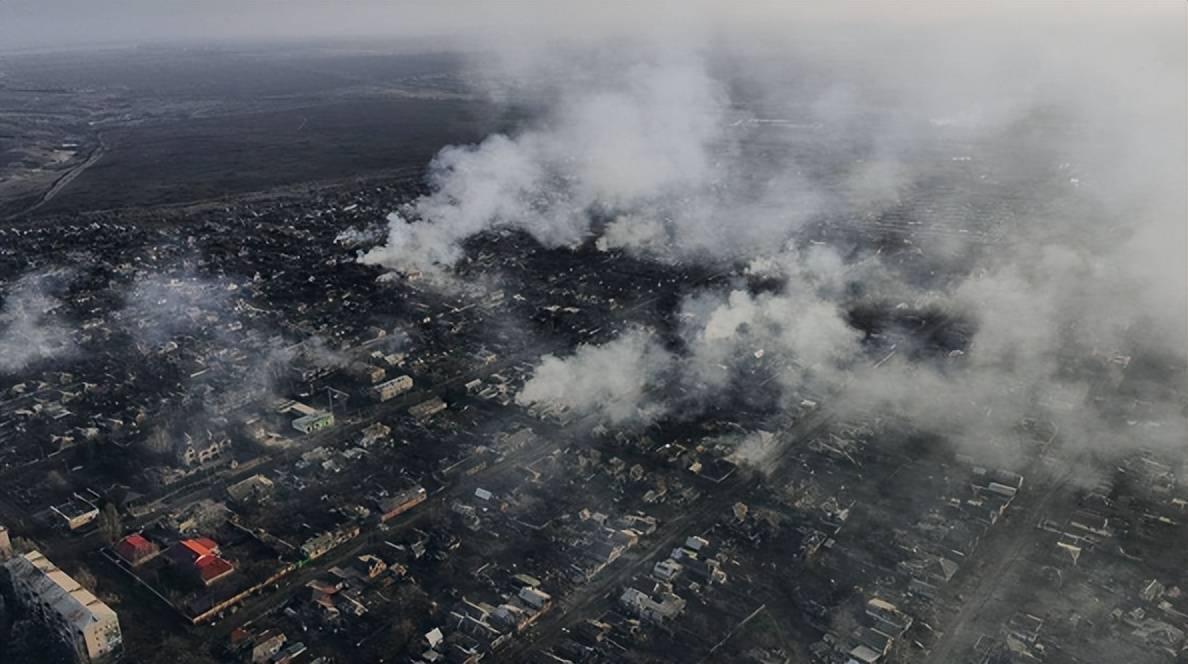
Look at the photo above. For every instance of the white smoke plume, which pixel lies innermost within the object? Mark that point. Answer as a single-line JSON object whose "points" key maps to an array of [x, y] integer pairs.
{"points": [[1036, 185], [161, 306], [799, 331], [634, 143], [611, 381], [28, 331], [354, 237], [803, 329]]}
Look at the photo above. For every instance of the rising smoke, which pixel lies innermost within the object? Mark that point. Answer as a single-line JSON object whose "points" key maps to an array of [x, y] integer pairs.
{"points": [[635, 146], [1043, 174], [29, 332], [613, 381]]}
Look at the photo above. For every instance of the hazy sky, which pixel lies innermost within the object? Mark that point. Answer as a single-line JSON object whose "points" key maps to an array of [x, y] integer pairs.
{"points": [[48, 24]]}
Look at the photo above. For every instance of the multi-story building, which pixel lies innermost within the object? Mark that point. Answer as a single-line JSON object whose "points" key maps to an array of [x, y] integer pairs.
{"points": [[84, 624], [367, 372], [427, 408], [316, 422], [202, 451], [392, 388], [394, 506]]}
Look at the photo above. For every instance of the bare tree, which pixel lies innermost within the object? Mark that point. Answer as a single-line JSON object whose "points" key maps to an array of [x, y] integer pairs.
{"points": [[110, 526], [157, 442], [85, 579], [22, 545]]}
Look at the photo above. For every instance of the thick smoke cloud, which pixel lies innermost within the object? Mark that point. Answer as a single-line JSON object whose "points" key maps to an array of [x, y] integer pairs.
{"points": [[799, 333], [801, 330], [703, 142], [635, 147], [1035, 182], [611, 381]]}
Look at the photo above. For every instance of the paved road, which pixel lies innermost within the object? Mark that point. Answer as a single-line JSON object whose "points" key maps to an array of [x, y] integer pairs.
{"points": [[64, 180]]}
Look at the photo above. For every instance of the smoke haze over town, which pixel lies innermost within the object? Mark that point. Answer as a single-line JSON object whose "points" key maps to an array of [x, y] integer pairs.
{"points": [[556, 332]]}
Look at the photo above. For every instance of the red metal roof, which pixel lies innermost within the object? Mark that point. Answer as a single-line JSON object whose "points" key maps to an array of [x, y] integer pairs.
{"points": [[212, 567], [188, 551], [134, 547], [201, 546]]}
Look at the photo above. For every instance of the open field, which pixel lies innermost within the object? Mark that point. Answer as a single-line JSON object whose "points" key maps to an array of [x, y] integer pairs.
{"points": [[131, 127]]}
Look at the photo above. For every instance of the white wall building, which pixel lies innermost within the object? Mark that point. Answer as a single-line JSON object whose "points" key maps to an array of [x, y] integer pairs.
{"points": [[87, 626]]}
